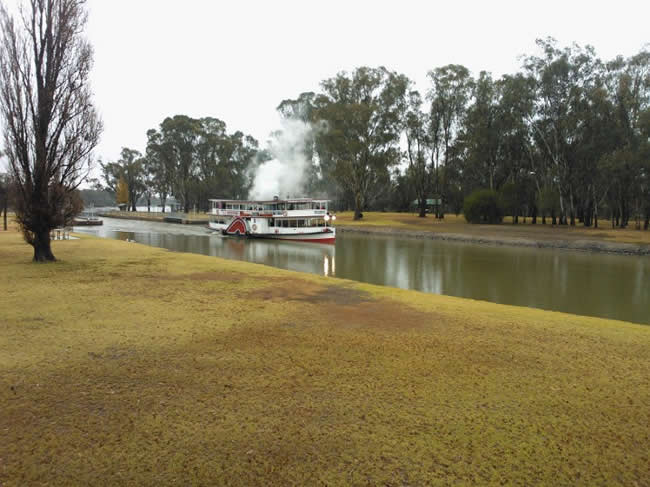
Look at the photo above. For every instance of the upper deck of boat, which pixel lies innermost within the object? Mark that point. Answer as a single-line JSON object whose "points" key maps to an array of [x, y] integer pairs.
{"points": [[289, 204]]}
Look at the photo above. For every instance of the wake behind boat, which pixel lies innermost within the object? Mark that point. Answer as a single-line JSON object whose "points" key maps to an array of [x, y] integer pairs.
{"points": [[299, 219]]}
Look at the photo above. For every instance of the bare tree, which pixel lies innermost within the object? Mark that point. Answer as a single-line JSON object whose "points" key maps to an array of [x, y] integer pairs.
{"points": [[4, 197], [50, 123]]}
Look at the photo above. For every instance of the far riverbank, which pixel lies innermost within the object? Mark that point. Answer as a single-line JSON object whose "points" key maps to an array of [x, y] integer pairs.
{"points": [[184, 218], [579, 245], [456, 229]]}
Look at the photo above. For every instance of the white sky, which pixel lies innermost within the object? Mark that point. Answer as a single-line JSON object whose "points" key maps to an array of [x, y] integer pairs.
{"points": [[237, 60]]}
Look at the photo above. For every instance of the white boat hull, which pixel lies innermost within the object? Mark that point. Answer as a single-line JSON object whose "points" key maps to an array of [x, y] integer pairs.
{"points": [[327, 235]]}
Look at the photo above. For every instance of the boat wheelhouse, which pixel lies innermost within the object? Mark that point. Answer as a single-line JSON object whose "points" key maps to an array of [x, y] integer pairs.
{"points": [[300, 219]]}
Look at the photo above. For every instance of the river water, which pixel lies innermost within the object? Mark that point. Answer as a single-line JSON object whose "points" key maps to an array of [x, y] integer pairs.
{"points": [[610, 286]]}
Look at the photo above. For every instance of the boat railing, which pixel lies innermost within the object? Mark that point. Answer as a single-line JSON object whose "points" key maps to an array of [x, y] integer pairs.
{"points": [[268, 213]]}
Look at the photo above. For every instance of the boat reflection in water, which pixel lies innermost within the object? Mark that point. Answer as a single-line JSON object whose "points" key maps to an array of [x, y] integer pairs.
{"points": [[314, 258], [293, 256]]}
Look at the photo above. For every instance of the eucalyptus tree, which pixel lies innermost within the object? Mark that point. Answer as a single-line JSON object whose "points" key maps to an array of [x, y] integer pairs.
{"points": [[159, 166], [302, 108], [563, 77], [629, 85], [644, 152], [516, 101], [224, 160], [480, 136], [363, 112], [50, 124], [598, 138], [418, 150], [180, 134], [196, 159], [131, 167], [449, 95], [212, 176]]}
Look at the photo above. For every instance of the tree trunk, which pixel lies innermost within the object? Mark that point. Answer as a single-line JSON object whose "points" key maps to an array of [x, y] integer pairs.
{"points": [[534, 215], [585, 214], [5, 215], [358, 206], [163, 200], [42, 248], [186, 202], [620, 222], [423, 208], [646, 223]]}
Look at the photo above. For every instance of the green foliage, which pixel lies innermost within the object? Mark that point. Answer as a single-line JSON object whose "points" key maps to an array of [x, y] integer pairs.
{"points": [[483, 206], [548, 200], [363, 113], [510, 198], [196, 159], [568, 135], [130, 168]]}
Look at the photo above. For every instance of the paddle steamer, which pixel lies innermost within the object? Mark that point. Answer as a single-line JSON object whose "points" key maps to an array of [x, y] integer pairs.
{"points": [[299, 219]]}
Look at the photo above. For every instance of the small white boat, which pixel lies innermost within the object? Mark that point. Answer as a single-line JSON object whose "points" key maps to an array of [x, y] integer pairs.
{"points": [[299, 219]]}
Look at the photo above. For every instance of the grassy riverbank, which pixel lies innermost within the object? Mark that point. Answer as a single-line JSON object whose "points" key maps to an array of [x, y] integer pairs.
{"points": [[506, 232], [124, 364]]}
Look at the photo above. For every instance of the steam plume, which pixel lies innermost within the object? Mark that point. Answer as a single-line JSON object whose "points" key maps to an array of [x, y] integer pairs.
{"points": [[285, 174]]}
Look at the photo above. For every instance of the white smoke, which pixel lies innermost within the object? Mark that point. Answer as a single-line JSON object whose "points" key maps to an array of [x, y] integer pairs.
{"points": [[285, 174]]}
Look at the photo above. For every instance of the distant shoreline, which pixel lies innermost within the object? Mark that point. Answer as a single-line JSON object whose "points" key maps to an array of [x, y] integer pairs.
{"points": [[583, 245], [198, 219]]}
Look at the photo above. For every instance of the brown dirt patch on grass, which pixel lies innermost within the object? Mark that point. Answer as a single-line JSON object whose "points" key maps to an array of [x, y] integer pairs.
{"points": [[382, 315], [308, 292]]}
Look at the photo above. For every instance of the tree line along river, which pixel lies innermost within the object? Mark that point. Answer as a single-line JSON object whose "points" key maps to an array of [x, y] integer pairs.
{"points": [[603, 285]]}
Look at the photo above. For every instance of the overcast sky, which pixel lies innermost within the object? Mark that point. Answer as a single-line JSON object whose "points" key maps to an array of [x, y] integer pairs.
{"points": [[236, 60]]}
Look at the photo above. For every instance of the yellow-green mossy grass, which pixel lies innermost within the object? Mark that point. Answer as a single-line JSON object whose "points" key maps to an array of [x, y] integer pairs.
{"points": [[123, 364]]}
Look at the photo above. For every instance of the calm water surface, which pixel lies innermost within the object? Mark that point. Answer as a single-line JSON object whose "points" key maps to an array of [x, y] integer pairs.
{"points": [[603, 285]]}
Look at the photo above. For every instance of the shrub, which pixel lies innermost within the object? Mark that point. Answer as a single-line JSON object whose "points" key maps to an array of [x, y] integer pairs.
{"points": [[483, 206]]}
